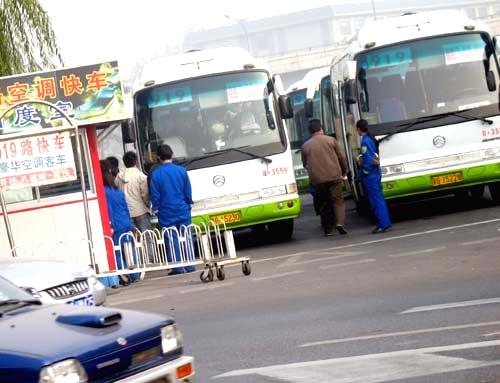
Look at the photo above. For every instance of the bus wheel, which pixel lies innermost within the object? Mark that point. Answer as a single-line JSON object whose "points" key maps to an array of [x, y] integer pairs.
{"points": [[495, 191], [476, 191], [281, 230]]}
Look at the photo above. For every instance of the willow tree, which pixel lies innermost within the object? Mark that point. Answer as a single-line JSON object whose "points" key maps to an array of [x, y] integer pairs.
{"points": [[27, 41]]}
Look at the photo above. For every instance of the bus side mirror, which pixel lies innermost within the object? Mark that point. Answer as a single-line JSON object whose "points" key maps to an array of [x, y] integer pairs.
{"points": [[285, 106], [350, 92], [490, 81], [308, 108], [128, 131]]}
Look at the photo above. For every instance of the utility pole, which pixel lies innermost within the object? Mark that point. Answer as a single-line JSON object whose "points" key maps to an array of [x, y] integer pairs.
{"points": [[240, 22], [373, 8]]}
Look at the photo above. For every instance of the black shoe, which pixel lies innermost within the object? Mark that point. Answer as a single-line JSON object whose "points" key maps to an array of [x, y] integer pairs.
{"points": [[328, 232], [379, 230], [341, 229]]}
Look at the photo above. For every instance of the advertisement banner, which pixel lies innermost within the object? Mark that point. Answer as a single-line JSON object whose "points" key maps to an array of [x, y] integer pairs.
{"points": [[88, 95], [36, 160]]}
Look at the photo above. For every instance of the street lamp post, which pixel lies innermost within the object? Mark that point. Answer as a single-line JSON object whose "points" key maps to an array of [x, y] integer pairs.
{"points": [[244, 30], [373, 8]]}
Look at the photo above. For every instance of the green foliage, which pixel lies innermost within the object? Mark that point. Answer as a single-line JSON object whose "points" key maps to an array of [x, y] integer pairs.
{"points": [[27, 41]]}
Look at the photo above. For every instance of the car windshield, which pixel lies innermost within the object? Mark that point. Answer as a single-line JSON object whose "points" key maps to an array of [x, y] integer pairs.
{"points": [[11, 293], [207, 114], [425, 78]]}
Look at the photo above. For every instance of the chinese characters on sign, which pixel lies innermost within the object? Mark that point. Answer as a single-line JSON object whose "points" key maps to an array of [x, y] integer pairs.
{"points": [[36, 160], [88, 95]]}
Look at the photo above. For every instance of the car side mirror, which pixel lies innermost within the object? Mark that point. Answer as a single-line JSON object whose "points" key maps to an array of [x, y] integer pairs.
{"points": [[128, 131], [308, 108], [350, 92], [490, 81], [285, 106]]}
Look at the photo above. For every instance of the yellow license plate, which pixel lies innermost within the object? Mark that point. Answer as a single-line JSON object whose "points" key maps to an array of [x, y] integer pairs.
{"points": [[232, 217], [447, 179]]}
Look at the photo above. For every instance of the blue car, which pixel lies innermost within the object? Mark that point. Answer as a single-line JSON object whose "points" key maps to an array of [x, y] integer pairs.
{"points": [[70, 344]]}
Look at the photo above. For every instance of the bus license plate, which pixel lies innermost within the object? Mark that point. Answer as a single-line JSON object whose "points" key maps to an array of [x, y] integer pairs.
{"points": [[447, 179], [232, 217]]}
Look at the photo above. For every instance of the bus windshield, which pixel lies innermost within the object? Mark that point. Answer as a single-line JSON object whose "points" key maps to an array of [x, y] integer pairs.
{"points": [[427, 77], [297, 126], [207, 115]]}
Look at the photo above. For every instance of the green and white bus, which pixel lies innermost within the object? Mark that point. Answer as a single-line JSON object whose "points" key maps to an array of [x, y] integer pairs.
{"points": [[428, 84], [222, 112], [301, 93]]}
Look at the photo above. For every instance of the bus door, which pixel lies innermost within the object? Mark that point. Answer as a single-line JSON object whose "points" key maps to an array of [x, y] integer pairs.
{"points": [[348, 137]]}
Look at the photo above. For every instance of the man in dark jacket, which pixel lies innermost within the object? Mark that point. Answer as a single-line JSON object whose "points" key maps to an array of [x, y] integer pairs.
{"points": [[327, 170]]}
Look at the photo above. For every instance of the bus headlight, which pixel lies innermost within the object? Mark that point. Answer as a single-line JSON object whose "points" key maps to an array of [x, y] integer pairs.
{"points": [[67, 371], [171, 338], [490, 153], [393, 169], [271, 192], [291, 188], [300, 173]]}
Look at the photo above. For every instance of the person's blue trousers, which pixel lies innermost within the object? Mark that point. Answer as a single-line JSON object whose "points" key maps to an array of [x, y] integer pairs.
{"points": [[373, 189], [176, 256]]}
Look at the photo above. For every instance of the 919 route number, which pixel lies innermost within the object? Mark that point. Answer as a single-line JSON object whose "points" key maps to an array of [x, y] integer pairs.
{"points": [[275, 171]]}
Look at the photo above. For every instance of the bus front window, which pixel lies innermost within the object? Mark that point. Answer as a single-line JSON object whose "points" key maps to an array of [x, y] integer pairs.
{"points": [[210, 114], [426, 77]]}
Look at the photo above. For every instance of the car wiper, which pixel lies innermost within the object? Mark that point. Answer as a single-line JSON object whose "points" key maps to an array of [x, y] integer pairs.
{"points": [[18, 303], [421, 120], [219, 152]]}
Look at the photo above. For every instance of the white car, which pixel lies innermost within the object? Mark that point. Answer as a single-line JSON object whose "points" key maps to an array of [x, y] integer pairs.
{"points": [[55, 282]]}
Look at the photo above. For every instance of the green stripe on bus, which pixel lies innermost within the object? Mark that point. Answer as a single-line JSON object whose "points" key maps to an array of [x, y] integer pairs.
{"points": [[423, 183], [257, 214]]}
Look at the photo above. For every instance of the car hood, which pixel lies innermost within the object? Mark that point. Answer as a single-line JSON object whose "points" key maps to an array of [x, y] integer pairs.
{"points": [[38, 332], [42, 274]]}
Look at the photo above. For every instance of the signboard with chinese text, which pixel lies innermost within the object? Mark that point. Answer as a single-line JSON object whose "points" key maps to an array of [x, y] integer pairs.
{"points": [[36, 160], [88, 95]]}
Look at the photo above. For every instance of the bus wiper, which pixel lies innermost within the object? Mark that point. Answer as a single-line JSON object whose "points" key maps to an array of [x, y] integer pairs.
{"points": [[471, 118], [421, 120], [219, 152], [239, 150]]}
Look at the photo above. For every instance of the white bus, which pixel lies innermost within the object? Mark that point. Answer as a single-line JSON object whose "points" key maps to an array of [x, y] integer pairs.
{"points": [[428, 84], [222, 113], [299, 93]]}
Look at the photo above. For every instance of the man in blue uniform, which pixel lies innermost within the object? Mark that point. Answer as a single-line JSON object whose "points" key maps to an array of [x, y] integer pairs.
{"points": [[371, 177], [171, 199]]}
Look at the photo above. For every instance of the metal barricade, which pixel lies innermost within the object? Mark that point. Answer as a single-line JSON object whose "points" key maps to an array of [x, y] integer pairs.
{"points": [[221, 254], [172, 248]]}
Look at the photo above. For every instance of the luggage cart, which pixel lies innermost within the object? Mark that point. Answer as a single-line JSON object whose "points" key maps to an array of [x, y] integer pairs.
{"points": [[215, 258]]}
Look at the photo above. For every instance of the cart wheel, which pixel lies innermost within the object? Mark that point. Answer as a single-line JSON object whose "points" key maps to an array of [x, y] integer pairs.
{"points": [[245, 266], [221, 275], [207, 275]]}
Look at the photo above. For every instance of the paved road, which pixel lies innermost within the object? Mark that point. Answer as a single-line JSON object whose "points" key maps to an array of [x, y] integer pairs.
{"points": [[418, 304]]}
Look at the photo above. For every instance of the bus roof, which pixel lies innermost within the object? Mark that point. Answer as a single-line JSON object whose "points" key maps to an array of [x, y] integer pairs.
{"points": [[197, 63], [313, 78], [412, 26], [310, 80]]}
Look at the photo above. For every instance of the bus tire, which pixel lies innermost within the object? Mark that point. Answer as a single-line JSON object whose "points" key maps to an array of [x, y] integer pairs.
{"points": [[476, 191], [495, 191], [281, 230]]}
